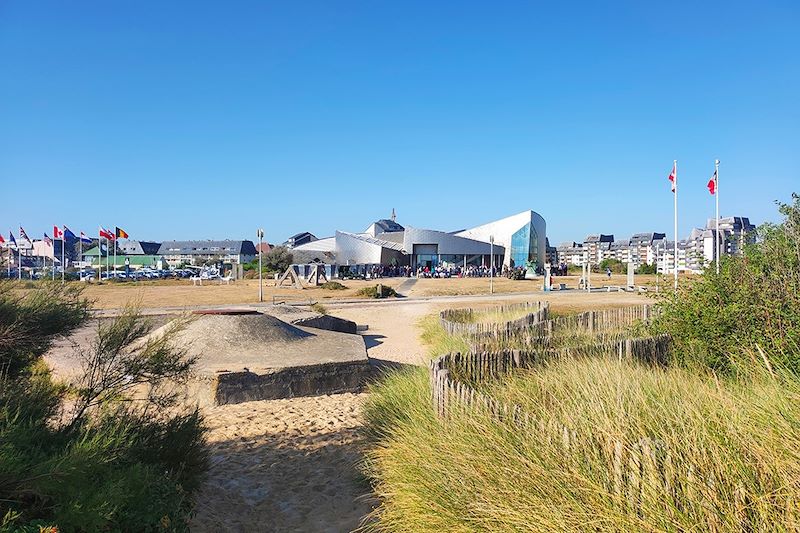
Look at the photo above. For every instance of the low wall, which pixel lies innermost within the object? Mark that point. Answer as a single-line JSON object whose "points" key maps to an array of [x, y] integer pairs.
{"points": [[291, 382]]}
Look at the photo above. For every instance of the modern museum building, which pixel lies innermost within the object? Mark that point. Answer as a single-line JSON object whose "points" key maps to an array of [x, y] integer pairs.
{"points": [[516, 241]]}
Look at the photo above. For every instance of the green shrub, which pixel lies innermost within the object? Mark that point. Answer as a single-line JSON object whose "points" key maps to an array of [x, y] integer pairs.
{"points": [[319, 308], [90, 457], [373, 291], [333, 286], [616, 266], [752, 304], [646, 268], [30, 321]]}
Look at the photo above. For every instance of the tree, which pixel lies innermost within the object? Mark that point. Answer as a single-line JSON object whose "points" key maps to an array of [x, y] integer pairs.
{"points": [[616, 266], [277, 259]]}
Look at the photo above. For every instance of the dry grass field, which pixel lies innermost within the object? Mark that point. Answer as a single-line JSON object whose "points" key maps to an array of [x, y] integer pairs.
{"points": [[181, 293]]}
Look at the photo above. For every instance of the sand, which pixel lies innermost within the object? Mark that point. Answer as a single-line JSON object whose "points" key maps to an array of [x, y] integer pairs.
{"points": [[285, 465]]}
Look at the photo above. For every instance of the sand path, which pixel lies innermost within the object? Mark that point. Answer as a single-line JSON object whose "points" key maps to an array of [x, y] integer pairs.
{"points": [[291, 465], [284, 465]]}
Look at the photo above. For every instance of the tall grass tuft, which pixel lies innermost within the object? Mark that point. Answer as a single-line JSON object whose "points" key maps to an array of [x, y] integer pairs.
{"points": [[728, 453]]}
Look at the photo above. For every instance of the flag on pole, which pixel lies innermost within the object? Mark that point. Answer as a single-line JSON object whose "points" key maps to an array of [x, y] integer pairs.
{"points": [[673, 176], [2, 240], [68, 235], [106, 234], [23, 235], [48, 240], [57, 233], [11, 240], [85, 239], [120, 233], [712, 183]]}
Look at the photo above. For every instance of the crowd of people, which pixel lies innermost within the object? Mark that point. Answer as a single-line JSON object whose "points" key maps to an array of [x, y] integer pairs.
{"points": [[444, 271], [390, 271]]}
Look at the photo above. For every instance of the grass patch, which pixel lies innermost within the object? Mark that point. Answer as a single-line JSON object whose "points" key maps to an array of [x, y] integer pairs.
{"points": [[476, 473], [333, 286], [437, 339], [492, 315], [319, 308], [376, 291]]}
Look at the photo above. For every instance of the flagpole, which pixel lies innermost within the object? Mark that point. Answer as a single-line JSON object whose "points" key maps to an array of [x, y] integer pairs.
{"points": [[80, 255], [99, 257], [63, 246], [53, 273], [115, 253], [716, 191], [675, 198]]}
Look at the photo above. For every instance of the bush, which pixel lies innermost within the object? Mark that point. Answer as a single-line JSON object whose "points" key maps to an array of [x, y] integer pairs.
{"points": [[333, 286], [117, 455], [377, 291], [646, 268], [752, 304], [319, 308], [616, 266]]}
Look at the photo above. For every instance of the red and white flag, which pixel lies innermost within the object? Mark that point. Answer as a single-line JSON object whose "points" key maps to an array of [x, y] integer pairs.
{"points": [[57, 233], [106, 234], [673, 176], [2, 240], [712, 183]]}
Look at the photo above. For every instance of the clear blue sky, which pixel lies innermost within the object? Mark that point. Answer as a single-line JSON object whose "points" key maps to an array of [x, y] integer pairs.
{"points": [[209, 119]]}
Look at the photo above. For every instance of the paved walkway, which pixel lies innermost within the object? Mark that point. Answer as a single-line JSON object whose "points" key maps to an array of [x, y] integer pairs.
{"points": [[405, 287]]}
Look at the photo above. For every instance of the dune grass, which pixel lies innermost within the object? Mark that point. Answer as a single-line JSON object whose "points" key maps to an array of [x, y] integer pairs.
{"points": [[491, 315], [437, 339], [473, 472]]}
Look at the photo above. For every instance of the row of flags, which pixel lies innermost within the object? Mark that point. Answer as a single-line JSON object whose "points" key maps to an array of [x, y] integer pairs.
{"points": [[64, 234]]}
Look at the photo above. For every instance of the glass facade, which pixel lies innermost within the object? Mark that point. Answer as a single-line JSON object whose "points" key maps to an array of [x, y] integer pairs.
{"points": [[525, 246]]}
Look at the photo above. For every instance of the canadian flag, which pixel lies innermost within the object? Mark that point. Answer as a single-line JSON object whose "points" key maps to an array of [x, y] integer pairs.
{"points": [[712, 183], [106, 234], [673, 176], [57, 233]]}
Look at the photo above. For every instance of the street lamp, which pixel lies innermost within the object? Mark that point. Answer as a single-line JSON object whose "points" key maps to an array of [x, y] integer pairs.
{"points": [[491, 264], [260, 234]]}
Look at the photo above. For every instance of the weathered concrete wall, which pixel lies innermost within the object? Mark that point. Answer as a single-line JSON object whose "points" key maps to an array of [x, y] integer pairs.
{"points": [[328, 322], [310, 380]]}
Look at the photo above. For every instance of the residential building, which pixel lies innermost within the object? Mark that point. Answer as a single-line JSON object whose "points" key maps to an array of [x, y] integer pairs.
{"points": [[201, 252], [591, 245]]}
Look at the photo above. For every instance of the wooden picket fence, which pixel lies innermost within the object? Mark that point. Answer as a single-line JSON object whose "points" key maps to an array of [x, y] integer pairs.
{"points": [[602, 324], [644, 469], [463, 321], [635, 470]]}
